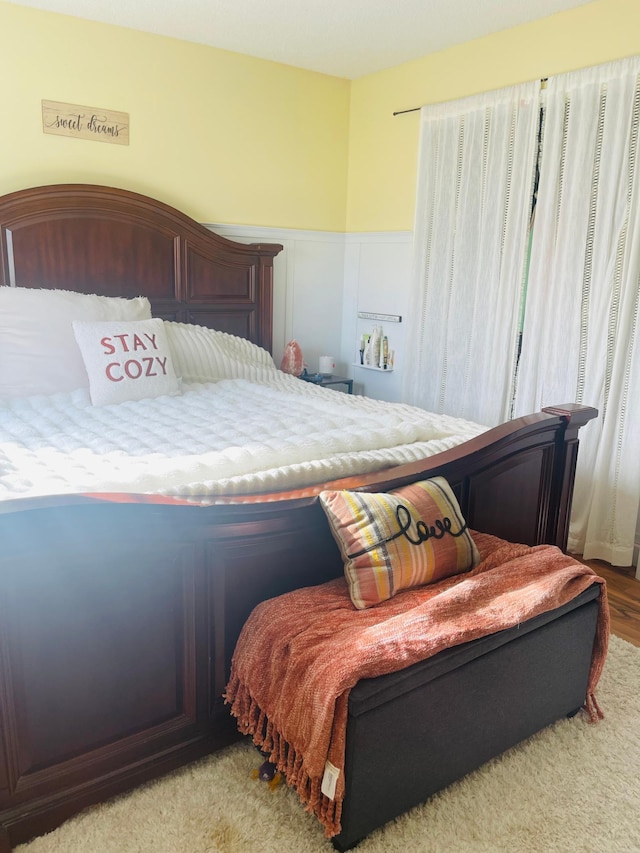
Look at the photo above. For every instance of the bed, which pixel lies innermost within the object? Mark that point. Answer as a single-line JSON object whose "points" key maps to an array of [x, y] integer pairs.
{"points": [[120, 609]]}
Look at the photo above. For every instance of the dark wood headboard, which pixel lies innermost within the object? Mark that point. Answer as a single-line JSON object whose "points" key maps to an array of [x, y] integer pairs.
{"points": [[95, 239]]}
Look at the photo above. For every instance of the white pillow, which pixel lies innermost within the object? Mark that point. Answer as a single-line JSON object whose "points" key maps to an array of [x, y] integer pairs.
{"points": [[206, 355], [38, 351], [126, 360]]}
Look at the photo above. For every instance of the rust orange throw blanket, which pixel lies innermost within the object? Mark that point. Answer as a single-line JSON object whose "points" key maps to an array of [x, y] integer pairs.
{"points": [[299, 655]]}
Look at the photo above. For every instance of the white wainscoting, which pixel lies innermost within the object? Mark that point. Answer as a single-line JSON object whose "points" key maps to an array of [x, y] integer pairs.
{"points": [[308, 287], [321, 281], [376, 280]]}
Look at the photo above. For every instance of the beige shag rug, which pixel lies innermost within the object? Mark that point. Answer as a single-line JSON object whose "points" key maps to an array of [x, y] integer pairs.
{"points": [[573, 787]]}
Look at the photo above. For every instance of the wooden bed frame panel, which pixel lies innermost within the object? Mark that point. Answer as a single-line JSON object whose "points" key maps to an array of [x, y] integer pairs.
{"points": [[118, 620], [104, 240]]}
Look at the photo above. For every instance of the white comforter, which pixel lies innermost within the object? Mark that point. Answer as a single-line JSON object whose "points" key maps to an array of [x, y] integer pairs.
{"points": [[232, 436]]}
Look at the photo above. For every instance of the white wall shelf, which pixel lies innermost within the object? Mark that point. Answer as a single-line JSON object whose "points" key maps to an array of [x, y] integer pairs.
{"points": [[386, 318], [372, 367]]}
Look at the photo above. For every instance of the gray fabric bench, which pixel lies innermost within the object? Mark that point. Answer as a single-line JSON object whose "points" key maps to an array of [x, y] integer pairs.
{"points": [[413, 732]]}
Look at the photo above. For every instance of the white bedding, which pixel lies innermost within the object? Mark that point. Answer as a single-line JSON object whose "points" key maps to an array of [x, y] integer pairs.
{"points": [[232, 436]]}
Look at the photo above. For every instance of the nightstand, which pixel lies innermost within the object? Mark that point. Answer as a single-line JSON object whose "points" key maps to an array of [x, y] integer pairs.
{"points": [[324, 380]]}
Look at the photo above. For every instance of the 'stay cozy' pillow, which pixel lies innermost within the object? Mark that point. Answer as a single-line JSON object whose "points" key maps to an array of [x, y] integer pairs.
{"points": [[126, 361]]}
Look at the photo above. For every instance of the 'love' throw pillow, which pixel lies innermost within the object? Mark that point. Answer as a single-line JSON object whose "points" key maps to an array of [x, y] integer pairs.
{"points": [[396, 540]]}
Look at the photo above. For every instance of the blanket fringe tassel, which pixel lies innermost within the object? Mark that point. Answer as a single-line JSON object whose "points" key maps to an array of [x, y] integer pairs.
{"points": [[253, 721], [593, 709]]}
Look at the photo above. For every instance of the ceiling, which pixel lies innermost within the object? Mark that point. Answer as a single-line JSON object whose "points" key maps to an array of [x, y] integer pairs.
{"points": [[344, 38]]}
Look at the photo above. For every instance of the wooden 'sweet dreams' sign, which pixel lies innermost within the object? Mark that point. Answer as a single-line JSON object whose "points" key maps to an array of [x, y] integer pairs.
{"points": [[82, 122]]}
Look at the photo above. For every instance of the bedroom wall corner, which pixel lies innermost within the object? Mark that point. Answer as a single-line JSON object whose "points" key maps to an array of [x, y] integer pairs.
{"points": [[376, 280], [321, 281], [308, 289]]}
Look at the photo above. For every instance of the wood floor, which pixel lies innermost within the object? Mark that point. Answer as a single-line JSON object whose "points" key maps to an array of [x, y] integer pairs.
{"points": [[624, 599]]}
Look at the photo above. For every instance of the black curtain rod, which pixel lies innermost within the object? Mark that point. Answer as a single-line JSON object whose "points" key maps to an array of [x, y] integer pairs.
{"points": [[543, 81], [412, 110]]}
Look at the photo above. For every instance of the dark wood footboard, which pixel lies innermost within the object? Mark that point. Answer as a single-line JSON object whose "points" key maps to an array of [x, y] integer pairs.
{"points": [[118, 620]]}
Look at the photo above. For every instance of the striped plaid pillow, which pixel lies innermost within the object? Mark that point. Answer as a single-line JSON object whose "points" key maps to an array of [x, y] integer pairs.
{"points": [[396, 540]]}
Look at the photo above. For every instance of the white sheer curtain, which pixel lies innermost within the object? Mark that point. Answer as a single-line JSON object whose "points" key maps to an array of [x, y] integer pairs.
{"points": [[580, 341], [476, 173]]}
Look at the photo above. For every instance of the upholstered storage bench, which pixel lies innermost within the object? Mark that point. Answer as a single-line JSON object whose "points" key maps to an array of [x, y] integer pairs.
{"points": [[413, 732]]}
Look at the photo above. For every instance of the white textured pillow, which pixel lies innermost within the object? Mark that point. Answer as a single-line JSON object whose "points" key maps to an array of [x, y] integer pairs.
{"points": [[126, 361], [206, 355], [38, 351]]}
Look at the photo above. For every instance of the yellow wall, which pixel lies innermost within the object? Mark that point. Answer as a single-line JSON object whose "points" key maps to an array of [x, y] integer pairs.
{"points": [[224, 137], [383, 148], [229, 138]]}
